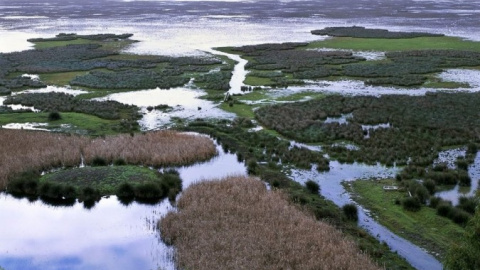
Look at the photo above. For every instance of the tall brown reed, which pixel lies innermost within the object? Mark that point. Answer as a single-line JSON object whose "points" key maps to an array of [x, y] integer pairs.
{"points": [[152, 148], [22, 150], [236, 223]]}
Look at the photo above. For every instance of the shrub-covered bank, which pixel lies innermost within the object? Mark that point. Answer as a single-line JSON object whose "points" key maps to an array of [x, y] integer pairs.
{"points": [[88, 184], [39, 151]]}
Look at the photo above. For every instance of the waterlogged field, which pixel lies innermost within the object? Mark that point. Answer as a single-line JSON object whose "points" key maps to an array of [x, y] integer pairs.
{"points": [[263, 91]]}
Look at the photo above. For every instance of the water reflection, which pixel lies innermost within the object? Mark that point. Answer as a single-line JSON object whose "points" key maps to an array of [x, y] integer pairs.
{"points": [[185, 101], [110, 234], [454, 194]]}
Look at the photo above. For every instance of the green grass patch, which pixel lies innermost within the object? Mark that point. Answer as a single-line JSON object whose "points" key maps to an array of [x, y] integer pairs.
{"points": [[424, 228], [257, 81], [241, 110], [105, 179], [62, 78], [77, 122], [378, 44], [50, 44]]}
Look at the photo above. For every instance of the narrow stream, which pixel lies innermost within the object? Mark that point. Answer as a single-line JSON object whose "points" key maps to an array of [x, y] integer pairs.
{"points": [[239, 73]]}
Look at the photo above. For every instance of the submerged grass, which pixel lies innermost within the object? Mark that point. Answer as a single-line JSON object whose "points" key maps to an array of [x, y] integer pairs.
{"points": [[237, 224], [33, 150], [424, 227]]}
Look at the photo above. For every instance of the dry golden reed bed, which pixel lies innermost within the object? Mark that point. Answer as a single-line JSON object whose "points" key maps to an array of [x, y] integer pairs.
{"points": [[235, 223], [22, 150]]}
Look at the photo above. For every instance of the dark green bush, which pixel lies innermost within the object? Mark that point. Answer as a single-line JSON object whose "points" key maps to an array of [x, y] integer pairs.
{"points": [[459, 216], [125, 190], [119, 162], [312, 187], [444, 209], [411, 204], [99, 161], [54, 116], [429, 184], [462, 164], [351, 212], [69, 192], [434, 202], [468, 204], [90, 194], [148, 191], [464, 179], [252, 167]]}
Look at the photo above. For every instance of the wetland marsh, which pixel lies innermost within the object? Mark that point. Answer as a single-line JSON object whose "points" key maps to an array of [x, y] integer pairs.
{"points": [[279, 101]]}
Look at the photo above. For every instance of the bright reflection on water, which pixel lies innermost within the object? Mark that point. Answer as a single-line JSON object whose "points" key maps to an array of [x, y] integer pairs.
{"points": [[109, 236], [454, 194], [185, 102]]}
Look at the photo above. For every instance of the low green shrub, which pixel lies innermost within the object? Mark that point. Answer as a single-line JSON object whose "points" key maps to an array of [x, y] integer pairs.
{"points": [[434, 202], [459, 216], [125, 190], [444, 209], [411, 204], [99, 161], [351, 212], [54, 116], [89, 194], [312, 187], [468, 204], [148, 191]]}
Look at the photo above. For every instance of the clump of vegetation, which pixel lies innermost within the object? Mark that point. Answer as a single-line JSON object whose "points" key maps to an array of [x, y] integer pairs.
{"points": [[39, 151], [219, 80], [259, 146], [130, 79], [61, 102], [88, 184], [362, 32], [312, 186], [73, 36], [351, 212], [209, 218], [54, 116], [465, 253], [411, 204]]}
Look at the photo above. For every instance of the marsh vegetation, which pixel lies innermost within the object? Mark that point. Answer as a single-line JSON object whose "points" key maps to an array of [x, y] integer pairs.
{"points": [[24, 151], [222, 223]]}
